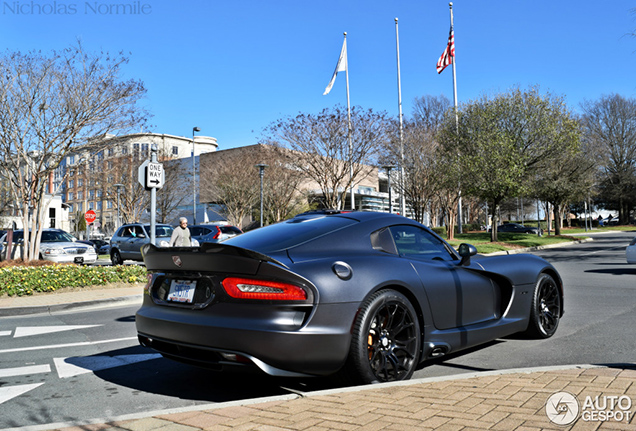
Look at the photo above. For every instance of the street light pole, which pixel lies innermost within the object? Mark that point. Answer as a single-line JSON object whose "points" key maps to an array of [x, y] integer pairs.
{"points": [[118, 192], [194, 182], [388, 173], [261, 168]]}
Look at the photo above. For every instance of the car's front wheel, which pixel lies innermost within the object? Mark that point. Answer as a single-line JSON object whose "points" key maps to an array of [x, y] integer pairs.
{"points": [[115, 257], [385, 343], [545, 313]]}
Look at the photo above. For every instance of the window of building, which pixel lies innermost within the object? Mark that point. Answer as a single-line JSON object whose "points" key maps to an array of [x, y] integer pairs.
{"points": [[71, 184], [124, 149], [110, 164], [175, 150], [91, 194], [109, 205], [111, 152], [80, 195], [91, 205], [70, 196], [144, 148], [80, 182], [99, 205]]}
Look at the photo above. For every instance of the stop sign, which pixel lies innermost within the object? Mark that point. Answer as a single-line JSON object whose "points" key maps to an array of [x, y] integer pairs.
{"points": [[90, 216]]}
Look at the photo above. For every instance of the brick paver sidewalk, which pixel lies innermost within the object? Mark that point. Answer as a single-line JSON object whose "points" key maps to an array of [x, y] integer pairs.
{"points": [[508, 401]]}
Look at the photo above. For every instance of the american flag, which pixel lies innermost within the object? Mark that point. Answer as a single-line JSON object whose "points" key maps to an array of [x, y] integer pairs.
{"points": [[448, 53]]}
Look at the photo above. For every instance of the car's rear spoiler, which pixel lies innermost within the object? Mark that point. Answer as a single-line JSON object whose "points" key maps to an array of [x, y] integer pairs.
{"points": [[208, 257]]}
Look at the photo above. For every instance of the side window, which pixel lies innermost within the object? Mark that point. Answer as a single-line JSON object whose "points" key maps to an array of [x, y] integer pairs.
{"points": [[125, 232], [140, 231], [414, 242], [195, 231]]}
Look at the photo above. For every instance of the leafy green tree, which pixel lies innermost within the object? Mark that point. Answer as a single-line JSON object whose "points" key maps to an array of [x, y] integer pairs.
{"points": [[502, 143]]}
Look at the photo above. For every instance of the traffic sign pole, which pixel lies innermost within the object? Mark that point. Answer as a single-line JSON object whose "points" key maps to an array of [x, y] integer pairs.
{"points": [[153, 192]]}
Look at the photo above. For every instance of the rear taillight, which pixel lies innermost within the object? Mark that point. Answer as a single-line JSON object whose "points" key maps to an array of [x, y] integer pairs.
{"points": [[245, 288], [217, 234]]}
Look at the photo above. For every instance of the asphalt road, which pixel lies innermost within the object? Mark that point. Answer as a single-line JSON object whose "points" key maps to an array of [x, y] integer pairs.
{"points": [[85, 365]]}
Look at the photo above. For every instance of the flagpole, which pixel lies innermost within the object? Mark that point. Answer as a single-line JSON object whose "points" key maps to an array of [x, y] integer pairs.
{"points": [[399, 82], [454, 58], [353, 204]]}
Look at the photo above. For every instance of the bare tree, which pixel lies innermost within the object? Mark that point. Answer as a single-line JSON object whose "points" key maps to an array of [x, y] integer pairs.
{"points": [[420, 150], [50, 105], [324, 153], [171, 195], [284, 196], [229, 178], [610, 132]]}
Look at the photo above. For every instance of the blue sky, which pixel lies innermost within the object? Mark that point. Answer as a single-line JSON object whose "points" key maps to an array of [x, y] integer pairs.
{"points": [[231, 67]]}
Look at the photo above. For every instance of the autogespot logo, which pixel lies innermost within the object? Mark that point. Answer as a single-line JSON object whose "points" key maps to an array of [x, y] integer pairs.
{"points": [[562, 408]]}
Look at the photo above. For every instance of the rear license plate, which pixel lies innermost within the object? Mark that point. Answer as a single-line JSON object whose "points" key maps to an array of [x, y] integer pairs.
{"points": [[182, 291], [78, 260]]}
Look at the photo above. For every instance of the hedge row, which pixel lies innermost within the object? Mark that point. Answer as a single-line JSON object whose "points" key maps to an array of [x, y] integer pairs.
{"points": [[24, 280]]}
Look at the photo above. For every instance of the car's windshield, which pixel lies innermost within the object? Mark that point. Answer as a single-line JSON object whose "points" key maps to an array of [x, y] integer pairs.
{"points": [[56, 236]]}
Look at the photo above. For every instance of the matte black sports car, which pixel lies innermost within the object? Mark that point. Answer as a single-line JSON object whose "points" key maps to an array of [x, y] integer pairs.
{"points": [[367, 295]]}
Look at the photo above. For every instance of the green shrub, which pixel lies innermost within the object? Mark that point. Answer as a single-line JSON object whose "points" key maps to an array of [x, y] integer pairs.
{"points": [[24, 280]]}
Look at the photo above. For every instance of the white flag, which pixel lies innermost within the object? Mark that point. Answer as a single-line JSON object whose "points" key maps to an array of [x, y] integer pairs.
{"points": [[340, 67]]}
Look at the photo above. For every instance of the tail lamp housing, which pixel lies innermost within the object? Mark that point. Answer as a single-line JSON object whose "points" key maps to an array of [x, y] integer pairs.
{"points": [[247, 288]]}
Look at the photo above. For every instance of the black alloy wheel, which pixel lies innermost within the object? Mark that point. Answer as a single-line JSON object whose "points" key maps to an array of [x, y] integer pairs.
{"points": [[386, 340], [546, 308], [115, 257]]}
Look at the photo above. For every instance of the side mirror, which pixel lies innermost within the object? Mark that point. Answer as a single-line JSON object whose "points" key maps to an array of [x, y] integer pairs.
{"points": [[466, 251]]}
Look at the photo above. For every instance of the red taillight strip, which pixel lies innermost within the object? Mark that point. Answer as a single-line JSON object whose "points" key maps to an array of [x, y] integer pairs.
{"points": [[217, 234], [247, 288]]}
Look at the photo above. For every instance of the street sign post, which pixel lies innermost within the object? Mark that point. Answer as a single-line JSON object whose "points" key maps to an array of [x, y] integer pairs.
{"points": [[151, 175]]}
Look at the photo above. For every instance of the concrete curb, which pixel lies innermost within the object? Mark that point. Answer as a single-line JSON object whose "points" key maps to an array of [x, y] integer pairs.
{"points": [[540, 247], [56, 308]]}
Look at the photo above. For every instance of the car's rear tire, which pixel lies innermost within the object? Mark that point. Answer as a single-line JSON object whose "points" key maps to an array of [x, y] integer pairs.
{"points": [[385, 344], [115, 257], [545, 312]]}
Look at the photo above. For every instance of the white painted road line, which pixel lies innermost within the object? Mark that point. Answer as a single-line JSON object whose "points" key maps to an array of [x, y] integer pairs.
{"points": [[29, 331], [62, 346], [24, 371], [5, 333], [8, 392]]}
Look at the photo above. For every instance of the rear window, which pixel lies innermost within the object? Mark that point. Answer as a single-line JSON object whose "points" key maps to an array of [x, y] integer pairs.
{"points": [[288, 234]]}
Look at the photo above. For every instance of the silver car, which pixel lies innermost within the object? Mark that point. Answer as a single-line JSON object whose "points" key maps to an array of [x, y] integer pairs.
{"points": [[127, 242]]}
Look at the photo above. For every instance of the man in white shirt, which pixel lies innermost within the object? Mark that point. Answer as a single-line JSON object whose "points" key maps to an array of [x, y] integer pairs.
{"points": [[181, 235]]}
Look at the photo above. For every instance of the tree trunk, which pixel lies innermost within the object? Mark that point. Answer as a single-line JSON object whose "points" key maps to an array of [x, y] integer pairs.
{"points": [[495, 220]]}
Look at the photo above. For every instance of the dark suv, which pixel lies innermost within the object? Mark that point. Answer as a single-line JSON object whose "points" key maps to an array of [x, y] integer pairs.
{"points": [[126, 243]]}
